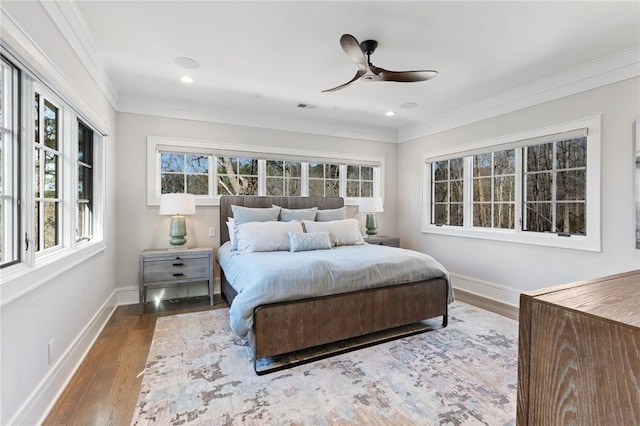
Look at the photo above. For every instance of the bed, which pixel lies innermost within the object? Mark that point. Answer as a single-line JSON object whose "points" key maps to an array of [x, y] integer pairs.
{"points": [[305, 322]]}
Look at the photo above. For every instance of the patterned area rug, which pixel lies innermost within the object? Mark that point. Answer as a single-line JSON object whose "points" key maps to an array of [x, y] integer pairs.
{"points": [[198, 373]]}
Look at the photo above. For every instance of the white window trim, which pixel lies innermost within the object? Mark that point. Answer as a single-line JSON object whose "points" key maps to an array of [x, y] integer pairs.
{"points": [[155, 144], [590, 242]]}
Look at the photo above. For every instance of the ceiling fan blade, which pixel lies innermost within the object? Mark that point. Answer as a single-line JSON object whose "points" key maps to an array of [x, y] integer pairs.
{"points": [[403, 76], [359, 74], [352, 48]]}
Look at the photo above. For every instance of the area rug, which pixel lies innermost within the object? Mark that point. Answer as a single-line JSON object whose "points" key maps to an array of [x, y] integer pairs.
{"points": [[198, 373]]}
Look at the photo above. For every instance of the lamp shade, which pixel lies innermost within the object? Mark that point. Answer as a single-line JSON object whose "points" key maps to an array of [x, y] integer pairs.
{"points": [[173, 204], [370, 205]]}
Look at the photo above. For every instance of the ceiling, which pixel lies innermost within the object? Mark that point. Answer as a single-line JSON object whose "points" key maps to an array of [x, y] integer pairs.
{"points": [[259, 60]]}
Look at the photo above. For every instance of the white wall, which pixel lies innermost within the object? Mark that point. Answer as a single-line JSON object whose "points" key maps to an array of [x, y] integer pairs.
{"points": [[140, 226], [75, 296], [502, 270]]}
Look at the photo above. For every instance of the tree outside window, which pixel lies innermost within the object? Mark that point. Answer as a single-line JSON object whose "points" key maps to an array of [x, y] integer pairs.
{"points": [[181, 172], [324, 180], [284, 178], [494, 189], [237, 176], [555, 194], [448, 194]]}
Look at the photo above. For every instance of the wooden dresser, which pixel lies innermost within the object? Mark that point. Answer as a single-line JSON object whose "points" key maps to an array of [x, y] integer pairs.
{"points": [[579, 353]]}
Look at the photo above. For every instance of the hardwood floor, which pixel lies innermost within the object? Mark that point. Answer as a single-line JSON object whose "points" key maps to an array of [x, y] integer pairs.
{"points": [[104, 390]]}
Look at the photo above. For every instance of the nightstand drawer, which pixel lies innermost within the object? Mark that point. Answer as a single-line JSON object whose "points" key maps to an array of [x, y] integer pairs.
{"points": [[384, 241], [176, 268]]}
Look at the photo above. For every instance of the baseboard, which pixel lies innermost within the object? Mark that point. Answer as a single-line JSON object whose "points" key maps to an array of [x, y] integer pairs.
{"points": [[488, 304], [36, 408], [490, 296]]}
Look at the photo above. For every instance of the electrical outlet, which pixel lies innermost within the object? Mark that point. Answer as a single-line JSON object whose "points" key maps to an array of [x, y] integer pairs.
{"points": [[51, 354], [212, 231]]}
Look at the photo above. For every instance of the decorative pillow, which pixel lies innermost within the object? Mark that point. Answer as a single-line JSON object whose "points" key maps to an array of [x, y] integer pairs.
{"points": [[287, 215], [249, 214], [331, 214], [300, 241], [343, 232], [265, 236]]}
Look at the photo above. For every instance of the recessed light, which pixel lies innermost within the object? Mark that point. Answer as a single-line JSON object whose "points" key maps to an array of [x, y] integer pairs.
{"points": [[186, 79], [389, 113], [408, 105], [188, 63]]}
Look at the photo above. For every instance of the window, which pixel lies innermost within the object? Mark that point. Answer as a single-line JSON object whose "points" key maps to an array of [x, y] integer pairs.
{"points": [[447, 192], [538, 187], [360, 181], [324, 180], [9, 163], [555, 187], [51, 182], [84, 210], [182, 172], [494, 189], [46, 174], [184, 166], [237, 176], [284, 178]]}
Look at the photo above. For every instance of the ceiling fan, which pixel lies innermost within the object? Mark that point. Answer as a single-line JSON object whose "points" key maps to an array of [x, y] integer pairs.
{"points": [[369, 72]]}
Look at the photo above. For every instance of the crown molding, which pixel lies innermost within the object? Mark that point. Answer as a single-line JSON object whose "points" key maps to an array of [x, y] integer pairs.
{"points": [[23, 49], [610, 69], [170, 109], [68, 19]]}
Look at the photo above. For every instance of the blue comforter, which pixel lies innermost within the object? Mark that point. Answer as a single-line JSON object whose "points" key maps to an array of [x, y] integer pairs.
{"points": [[279, 276]]}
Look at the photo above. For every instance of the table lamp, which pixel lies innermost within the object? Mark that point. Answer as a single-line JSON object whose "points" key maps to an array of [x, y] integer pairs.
{"points": [[371, 206], [177, 205]]}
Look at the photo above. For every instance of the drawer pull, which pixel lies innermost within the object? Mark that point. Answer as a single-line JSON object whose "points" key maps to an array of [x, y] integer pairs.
{"points": [[178, 275], [178, 264]]}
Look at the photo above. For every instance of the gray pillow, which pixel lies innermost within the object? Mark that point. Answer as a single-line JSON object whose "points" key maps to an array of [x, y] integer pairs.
{"points": [[331, 214], [287, 215], [249, 214]]}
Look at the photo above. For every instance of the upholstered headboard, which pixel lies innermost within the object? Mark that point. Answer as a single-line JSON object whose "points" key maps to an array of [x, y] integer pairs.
{"points": [[322, 203]]}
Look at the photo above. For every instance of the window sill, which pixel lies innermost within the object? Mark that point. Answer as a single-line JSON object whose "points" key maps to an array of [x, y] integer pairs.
{"points": [[574, 242], [20, 279]]}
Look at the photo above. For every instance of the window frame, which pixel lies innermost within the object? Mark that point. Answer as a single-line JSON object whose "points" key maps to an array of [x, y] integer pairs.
{"points": [[589, 242], [10, 195], [35, 269], [156, 145]]}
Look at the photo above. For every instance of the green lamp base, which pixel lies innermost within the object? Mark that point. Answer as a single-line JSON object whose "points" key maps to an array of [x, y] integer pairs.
{"points": [[177, 230]]}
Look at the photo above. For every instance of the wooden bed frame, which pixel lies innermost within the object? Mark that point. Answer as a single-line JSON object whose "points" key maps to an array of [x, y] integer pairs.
{"points": [[281, 328]]}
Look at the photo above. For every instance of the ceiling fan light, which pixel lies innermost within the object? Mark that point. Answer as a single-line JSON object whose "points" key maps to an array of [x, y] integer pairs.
{"points": [[186, 79], [389, 113]]}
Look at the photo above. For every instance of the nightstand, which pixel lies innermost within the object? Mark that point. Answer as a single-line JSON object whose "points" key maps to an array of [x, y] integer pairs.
{"points": [[383, 241], [172, 267]]}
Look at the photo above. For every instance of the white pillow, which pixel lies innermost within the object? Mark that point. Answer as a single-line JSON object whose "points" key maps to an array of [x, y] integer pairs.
{"points": [[301, 241], [265, 236], [343, 232], [251, 214], [230, 227]]}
